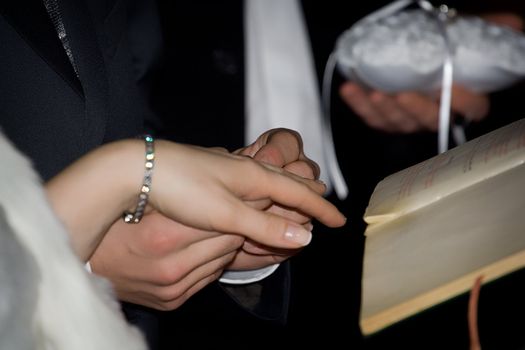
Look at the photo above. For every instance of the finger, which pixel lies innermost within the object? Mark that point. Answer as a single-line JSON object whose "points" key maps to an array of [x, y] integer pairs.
{"points": [[289, 214], [275, 231], [255, 248], [191, 291], [358, 100], [295, 192], [261, 204], [266, 203], [178, 266], [218, 149], [299, 168], [265, 180], [472, 106], [174, 267], [279, 147], [167, 295], [423, 109], [252, 148], [246, 261], [509, 19], [248, 151], [284, 153], [282, 146], [398, 119], [171, 297], [262, 140], [302, 168], [239, 218]]}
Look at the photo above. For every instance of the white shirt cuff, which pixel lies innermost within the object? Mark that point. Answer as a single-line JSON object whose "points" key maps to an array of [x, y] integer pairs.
{"points": [[247, 276], [235, 277]]}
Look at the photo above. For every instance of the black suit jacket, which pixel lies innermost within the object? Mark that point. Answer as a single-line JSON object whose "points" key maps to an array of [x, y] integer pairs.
{"points": [[51, 114]]}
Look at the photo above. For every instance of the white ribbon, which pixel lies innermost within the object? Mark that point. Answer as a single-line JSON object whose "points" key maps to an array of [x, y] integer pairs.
{"points": [[441, 14], [446, 84], [281, 82], [334, 171]]}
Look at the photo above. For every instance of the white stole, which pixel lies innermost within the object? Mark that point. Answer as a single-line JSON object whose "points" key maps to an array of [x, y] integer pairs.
{"points": [[282, 88]]}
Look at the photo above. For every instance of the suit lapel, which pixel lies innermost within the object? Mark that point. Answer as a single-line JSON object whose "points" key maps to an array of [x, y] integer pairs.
{"points": [[24, 17], [82, 33], [33, 23]]}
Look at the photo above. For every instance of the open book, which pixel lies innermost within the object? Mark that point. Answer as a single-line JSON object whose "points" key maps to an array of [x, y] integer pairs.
{"points": [[436, 226]]}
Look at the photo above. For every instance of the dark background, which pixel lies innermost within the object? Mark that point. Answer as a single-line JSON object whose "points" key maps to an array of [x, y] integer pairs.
{"points": [[199, 93]]}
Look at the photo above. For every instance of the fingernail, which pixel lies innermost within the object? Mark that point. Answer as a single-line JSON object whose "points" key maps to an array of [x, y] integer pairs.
{"points": [[309, 226], [298, 234]]}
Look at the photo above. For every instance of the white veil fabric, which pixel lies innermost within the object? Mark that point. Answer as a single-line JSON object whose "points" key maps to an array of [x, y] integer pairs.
{"points": [[47, 299]]}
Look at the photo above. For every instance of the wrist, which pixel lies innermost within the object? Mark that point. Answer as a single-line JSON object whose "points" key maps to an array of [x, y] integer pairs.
{"points": [[134, 216], [93, 192], [119, 168]]}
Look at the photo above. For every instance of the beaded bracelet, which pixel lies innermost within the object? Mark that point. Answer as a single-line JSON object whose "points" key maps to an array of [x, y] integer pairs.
{"points": [[136, 216]]}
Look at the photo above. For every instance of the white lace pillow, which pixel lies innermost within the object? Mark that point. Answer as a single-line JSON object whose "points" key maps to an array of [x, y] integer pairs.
{"points": [[406, 51]]}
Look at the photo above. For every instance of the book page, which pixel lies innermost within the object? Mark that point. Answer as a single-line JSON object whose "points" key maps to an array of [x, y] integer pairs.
{"points": [[435, 253], [446, 173]]}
